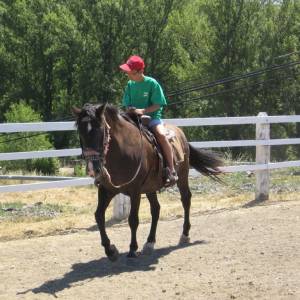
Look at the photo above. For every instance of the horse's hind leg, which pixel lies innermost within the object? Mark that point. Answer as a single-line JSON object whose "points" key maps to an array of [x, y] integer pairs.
{"points": [[186, 196], [133, 221], [155, 209]]}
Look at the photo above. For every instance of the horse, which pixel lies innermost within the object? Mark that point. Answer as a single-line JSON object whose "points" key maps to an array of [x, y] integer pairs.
{"points": [[123, 160]]}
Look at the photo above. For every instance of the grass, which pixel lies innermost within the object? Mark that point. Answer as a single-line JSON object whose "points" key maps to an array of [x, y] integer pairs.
{"points": [[59, 211], [7, 208], [18, 211]]}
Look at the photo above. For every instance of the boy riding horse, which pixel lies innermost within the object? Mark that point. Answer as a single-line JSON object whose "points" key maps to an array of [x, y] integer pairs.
{"points": [[144, 96]]}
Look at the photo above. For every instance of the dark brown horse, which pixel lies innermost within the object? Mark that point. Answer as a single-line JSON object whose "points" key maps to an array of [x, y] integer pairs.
{"points": [[122, 160]]}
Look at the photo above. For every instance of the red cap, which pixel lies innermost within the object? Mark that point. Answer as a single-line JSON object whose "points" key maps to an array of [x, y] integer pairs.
{"points": [[133, 63]]}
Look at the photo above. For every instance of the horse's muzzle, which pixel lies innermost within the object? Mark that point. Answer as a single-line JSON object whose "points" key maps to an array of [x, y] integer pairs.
{"points": [[90, 154], [91, 157], [96, 170], [90, 169]]}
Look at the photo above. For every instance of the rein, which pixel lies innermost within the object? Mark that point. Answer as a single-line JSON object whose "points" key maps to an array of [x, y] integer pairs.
{"points": [[104, 174], [138, 168]]}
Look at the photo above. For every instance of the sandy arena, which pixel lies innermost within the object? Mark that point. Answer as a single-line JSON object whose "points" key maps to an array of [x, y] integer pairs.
{"points": [[241, 253]]}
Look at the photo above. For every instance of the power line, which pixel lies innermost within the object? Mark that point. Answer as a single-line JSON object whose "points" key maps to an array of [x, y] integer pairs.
{"points": [[287, 54], [226, 91], [233, 78], [21, 138], [197, 80]]}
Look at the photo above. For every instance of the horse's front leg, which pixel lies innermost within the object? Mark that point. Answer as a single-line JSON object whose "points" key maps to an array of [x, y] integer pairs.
{"points": [[155, 209], [133, 221], [104, 198]]}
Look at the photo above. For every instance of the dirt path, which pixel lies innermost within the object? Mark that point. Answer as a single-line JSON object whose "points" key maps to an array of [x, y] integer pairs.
{"points": [[234, 254]]}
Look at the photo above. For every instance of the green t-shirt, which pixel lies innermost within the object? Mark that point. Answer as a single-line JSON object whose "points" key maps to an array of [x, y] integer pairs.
{"points": [[142, 94]]}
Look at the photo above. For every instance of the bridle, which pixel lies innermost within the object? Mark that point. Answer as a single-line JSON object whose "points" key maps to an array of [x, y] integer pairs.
{"points": [[101, 153]]}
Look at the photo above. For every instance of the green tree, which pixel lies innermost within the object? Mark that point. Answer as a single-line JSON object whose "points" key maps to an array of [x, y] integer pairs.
{"points": [[27, 142], [55, 54]]}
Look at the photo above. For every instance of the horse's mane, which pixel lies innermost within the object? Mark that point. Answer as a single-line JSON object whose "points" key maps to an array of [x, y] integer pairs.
{"points": [[113, 112], [89, 110]]}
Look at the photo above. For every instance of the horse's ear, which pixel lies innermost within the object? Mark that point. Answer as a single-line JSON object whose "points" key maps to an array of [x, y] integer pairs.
{"points": [[101, 111], [76, 111]]}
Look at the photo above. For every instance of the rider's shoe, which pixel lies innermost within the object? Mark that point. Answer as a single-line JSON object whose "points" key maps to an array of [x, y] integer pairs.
{"points": [[171, 178]]}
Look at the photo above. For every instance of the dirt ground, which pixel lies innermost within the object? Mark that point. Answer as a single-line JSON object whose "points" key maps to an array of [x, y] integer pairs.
{"points": [[240, 253]]}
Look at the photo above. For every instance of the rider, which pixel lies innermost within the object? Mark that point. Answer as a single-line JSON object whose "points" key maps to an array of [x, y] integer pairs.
{"points": [[144, 96]]}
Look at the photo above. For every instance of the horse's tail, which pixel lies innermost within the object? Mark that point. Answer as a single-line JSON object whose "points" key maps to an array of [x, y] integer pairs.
{"points": [[205, 162]]}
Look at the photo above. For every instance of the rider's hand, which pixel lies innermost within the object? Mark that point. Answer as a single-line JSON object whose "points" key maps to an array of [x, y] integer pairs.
{"points": [[136, 111], [139, 111]]}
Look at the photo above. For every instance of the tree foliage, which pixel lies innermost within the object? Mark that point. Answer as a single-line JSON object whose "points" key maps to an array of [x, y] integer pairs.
{"points": [[56, 54], [23, 113]]}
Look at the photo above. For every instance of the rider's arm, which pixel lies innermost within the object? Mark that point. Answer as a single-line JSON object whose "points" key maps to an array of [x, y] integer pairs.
{"points": [[142, 111], [151, 109]]}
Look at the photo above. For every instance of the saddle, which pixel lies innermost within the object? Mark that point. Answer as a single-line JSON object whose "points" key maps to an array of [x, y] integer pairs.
{"points": [[142, 123]]}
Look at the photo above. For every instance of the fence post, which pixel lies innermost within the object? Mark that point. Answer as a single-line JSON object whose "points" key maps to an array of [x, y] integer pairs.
{"points": [[262, 157], [121, 207]]}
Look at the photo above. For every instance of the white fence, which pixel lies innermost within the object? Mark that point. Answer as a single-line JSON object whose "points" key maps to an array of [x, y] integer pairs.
{"points": [[262, 142]]}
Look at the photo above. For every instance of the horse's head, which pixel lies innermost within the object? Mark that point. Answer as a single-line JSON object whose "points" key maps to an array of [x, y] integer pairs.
{"points": [[94, 136]]}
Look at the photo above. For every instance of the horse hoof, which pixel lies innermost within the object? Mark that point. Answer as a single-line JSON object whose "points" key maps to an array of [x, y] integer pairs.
{"points": [[132, 254], [148, 249], [184, 239], [113, 253]]}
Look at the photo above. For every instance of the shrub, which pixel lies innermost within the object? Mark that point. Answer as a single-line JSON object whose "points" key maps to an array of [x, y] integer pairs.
{"points": [[79, 171], [17, 142]]}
